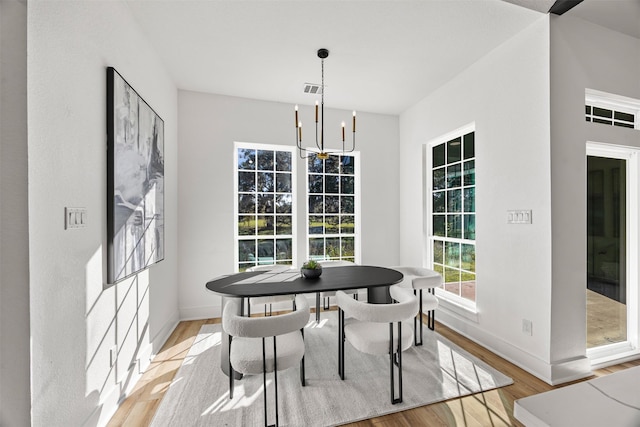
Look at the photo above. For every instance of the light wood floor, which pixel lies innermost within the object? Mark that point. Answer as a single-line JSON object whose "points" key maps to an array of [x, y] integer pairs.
{"points": [[493, 408]]}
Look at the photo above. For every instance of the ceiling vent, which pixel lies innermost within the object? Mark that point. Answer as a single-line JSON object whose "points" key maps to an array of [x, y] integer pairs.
{"points": [[312, 88]]}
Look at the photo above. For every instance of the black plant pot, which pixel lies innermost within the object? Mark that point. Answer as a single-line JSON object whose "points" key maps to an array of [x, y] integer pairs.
{"points": [[311, 273]]}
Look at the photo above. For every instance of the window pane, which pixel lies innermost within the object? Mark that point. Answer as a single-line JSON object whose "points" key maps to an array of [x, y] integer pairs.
{"points": [[453, 150], [244, 265], [439, 269], [331, 225], [452, 280], [454, 178], [439, 225], [346, 204], [265, 182], [439, 202], [454, 201], [470, 199], [265, 203], [452, 254], [246, 159], [603, 121], [347, 224], [283, 247], [315, 164], [315, 204], [454, 226], [438, 179], [316, 184], [283, 224], [265, 225], [332, 248], [470, 227], [602, 112], [266, 251], [246, 250], [438, 252], [348, 244], [332, 165], [468, 257], [619, 115], [246, 225], [347, 184], [316, 248], [331, 184], [470, 173], [246, 181], [348, 165], [316, 224], [438, 155], [246, 203], [468, 284], [469, 145], [624, 125], [332, 204], [283, 203], [283, 182], [283, 161], [587, 109], [265, 160]]}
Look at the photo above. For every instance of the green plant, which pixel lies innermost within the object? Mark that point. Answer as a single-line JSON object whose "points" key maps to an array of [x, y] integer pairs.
{"points": [[311, 265]]}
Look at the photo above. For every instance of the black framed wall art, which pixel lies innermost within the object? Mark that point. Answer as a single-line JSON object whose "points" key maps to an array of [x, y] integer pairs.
{"points": [[135, 181]]}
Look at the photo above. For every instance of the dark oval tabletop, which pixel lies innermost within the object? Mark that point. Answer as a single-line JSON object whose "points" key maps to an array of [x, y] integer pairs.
{"points": [[266, 283]]}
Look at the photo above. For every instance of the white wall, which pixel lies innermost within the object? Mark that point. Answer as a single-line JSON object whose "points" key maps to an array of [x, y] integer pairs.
{"points": [[75, 317], [208, 127], [15, 403], [506, 94], [583, 55]]}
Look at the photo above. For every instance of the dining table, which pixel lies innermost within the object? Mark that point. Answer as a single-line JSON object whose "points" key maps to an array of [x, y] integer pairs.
{"points": [[249, 284]]}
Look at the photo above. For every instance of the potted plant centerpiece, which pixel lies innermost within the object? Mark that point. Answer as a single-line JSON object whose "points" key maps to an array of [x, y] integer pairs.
{"points": [[311, 269]]}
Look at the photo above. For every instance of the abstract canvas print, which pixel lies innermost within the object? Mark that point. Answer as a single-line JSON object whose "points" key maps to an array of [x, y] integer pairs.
{"points": [[135, 181]]}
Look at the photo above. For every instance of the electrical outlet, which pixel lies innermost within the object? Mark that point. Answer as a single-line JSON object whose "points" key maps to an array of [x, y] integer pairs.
{"points": [[527, 327]]}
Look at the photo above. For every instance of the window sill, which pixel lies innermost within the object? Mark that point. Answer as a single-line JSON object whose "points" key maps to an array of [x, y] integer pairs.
{"points": [[462, 308]]}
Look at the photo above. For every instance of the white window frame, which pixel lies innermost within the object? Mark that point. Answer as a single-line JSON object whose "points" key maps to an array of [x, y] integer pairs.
{"points": [[268, 147], [609, 101], [357, 210], [455, 300]]}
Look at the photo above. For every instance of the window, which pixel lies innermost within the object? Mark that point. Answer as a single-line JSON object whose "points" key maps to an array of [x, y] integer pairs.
{"points": [[265, 208], [333, 215], [453, 213], [612, 110]]}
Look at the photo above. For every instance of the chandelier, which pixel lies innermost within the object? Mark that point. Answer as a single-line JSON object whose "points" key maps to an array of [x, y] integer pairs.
{"points": [[320, 151]]}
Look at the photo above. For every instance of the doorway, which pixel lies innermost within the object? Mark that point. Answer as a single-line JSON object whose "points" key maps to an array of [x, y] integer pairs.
{"points": [[611, 280]]}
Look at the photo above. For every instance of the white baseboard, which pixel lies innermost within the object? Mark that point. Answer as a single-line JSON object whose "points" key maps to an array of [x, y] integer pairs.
{"points": [[552, 373]]}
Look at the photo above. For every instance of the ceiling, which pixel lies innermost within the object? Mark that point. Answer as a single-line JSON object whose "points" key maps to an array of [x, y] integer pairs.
{"points": [[384, 55]]}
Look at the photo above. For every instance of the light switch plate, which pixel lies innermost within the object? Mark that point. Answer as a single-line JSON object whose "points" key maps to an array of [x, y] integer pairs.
{"points": [[519, 217], [75, 218]]}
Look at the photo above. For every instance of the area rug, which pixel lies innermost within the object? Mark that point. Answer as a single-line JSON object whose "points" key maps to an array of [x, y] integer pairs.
{"points": [[436, 371]]}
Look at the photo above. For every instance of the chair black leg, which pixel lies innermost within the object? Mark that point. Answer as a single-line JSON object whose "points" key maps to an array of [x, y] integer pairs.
{"points": [[248, 307], [326, 303], [416, 320], [232, 374], [318, 307], [275, 377], [341, 343], [303, 379], [392, 355], [431, 316], [264, 380]]}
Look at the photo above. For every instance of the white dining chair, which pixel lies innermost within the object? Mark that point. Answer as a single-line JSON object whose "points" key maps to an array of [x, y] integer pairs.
{"points": [[326, 296], [378, 329], [259, 345], [269, 300], [419, 279]]}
